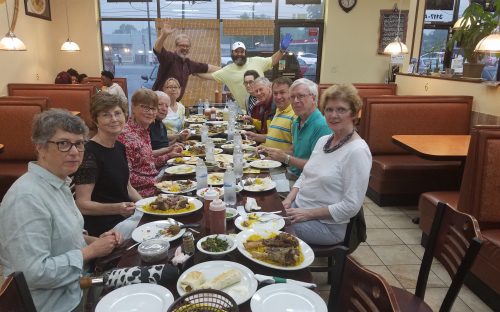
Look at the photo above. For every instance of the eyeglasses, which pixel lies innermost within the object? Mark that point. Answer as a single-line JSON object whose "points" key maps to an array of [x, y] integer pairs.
{"points": [[65, 146], [339, 110], [109, 116], [248, 83], [148, 109], [299, 97], [184, 46], [171, 87]]}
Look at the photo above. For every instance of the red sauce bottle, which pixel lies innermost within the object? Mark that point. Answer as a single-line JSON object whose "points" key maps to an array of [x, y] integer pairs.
{"points": [[217, 217]]}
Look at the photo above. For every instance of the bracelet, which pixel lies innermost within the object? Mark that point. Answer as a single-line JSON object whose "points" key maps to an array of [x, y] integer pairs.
{"points": [[287, 159], [283, 51]]}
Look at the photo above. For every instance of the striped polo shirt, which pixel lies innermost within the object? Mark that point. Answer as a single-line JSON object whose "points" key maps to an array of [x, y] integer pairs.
{"points": [[279, 133]]}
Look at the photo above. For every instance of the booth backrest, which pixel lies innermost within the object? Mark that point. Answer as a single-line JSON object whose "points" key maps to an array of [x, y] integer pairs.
{"points": [[385, 116], [480, 189], [122, 82], [15, 131], [41, 101], [71, 97], [366, 89]]}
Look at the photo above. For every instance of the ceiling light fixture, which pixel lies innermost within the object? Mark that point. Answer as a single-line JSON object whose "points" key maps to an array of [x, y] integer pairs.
{"points": [[69, 46], [396, 47], [490, 43], [10, 42]]}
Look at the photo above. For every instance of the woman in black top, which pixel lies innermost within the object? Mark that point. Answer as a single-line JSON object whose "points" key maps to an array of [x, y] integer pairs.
{"points": [[103, 191]]}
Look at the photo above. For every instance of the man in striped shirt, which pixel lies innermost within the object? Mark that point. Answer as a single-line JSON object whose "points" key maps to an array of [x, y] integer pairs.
{"points": [[279, 134]]}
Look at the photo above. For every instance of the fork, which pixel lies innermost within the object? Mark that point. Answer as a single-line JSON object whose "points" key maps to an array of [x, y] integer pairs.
{"points": [[271, 219]]}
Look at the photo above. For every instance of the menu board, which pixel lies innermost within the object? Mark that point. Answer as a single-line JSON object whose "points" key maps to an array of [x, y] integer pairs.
{"points": [[389, 27]]}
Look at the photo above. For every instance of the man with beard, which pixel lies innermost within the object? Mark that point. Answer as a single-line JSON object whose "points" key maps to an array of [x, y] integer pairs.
{"points": [[176, 64], [232, 74]]}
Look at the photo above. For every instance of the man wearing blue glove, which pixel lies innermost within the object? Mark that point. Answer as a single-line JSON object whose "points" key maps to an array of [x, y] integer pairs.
{"points": [[232, 75]]}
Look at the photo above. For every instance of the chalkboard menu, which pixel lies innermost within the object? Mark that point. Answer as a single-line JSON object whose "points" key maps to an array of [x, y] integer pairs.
{"points": [[389, 27]]}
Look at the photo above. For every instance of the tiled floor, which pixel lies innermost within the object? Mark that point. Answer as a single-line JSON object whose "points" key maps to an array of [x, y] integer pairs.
{"points": [[393, 250]]}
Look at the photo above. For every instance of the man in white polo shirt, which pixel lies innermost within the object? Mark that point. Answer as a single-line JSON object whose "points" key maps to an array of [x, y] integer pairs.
{"points": [[232, 74]]}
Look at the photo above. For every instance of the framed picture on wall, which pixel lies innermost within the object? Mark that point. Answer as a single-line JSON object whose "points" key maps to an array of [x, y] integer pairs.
{"points": [[38, 8]]}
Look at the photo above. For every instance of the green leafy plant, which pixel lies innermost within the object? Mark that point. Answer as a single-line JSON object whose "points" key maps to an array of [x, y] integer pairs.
{"points": [[477, 23]]}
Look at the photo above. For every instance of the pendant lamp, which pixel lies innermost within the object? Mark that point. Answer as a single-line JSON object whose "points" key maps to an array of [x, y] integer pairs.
{"points": [[396, 47], [490, 43], [69, 46], [10, 42]]}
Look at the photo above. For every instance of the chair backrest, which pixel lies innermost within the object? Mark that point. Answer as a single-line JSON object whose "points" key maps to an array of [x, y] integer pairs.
{"points": [[15, 131], [365, 89], [455, 241], [384, 116], [479, 195], [15, 295], [364, 290]]}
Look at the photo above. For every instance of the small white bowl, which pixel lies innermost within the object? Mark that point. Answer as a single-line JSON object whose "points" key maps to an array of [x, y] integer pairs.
{"points": [[227, 238], [201, 192], [231, 213]]}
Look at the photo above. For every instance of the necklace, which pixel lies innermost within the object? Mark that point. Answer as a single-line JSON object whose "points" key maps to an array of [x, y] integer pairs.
{"points": [[328, 149]]}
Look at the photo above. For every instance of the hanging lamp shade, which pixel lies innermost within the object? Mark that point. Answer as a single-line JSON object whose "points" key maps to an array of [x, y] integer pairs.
{"points": [[11, 43], [70, 46], [490, 43], [458, 23], [396, 47]]}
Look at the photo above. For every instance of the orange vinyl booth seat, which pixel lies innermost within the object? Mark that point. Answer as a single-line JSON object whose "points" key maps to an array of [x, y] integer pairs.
{"points": [[398, 177], [15, 133], [479, 196], [67, 96], [366, 89], [122, 82]]}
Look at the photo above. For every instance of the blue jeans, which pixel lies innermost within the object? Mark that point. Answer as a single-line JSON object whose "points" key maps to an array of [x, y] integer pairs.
{"points": [[318, 233]]}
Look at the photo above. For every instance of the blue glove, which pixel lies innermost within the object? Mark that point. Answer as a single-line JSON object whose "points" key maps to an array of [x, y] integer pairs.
{"points": [[285, 42]]}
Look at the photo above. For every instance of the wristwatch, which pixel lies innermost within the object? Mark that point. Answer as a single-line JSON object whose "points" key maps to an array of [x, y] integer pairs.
{"points": [[287, 159]]}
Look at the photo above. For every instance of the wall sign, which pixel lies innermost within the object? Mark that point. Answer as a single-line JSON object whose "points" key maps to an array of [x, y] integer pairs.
{"points": [[389, 27]]}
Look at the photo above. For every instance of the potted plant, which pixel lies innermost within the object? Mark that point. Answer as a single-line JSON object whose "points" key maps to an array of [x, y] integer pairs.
{"points": [[476, 23]]}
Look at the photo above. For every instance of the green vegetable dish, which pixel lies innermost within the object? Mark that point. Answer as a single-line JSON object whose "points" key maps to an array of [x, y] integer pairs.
{"points": [[215, 244]]}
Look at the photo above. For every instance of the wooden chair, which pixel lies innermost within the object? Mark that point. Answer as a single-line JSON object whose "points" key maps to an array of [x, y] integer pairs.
{"points": [[330, 251], [363, 290], [454, 240], [15, 295]]}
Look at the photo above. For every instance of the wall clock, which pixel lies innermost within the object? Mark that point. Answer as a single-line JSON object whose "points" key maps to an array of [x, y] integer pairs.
{"points": [[347, 5]]}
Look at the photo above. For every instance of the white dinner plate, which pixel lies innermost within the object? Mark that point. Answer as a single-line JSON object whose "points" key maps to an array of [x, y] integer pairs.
{"points": [[259, 184], [306, 250], [217, 150], [164, 186], [136, 297], [287, 298], [181, 169], [152, 230], [240, 292], [265, 164], [185, 160], [140, 203], [276, 225], [201, 192], [215, 178]]}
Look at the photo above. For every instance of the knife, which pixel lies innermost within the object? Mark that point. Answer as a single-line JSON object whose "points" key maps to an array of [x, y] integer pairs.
{"points": [[274, 280]]}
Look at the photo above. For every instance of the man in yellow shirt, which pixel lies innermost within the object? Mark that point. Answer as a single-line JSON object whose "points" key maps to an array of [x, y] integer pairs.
{"points": [[279, 133]]}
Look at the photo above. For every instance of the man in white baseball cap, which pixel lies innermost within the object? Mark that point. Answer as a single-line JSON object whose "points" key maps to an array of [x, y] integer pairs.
{"points": [[232, 74]]}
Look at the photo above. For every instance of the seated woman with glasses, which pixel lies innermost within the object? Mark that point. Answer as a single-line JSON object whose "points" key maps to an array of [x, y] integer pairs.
{"points": [[143, 164], [176, 111], [104, 194], [40, 225], [332, 186]]}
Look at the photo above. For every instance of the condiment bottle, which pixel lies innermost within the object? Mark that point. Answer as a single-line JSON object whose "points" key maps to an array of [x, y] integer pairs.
{"points": [[210, 195], [208, 113], [217, 215], [225, 114], [188, 243], [213, 113], [218, 96]]}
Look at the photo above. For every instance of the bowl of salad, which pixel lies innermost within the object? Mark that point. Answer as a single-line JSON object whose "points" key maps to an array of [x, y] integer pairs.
{"points": [[217, 245]]}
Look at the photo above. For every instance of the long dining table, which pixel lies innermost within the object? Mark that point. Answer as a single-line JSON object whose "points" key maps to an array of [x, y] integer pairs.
{"points": [[268, 201]]}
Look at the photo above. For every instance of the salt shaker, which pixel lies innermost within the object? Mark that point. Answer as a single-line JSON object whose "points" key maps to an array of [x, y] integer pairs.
{"points": [[188, 243]]}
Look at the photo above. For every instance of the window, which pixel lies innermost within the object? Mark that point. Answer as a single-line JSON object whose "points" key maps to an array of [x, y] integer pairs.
{"points": [[128, 32]]}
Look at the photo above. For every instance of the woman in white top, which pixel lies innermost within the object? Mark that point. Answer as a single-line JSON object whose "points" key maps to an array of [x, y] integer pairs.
{"points": [[332, 187], [176, 111]]}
